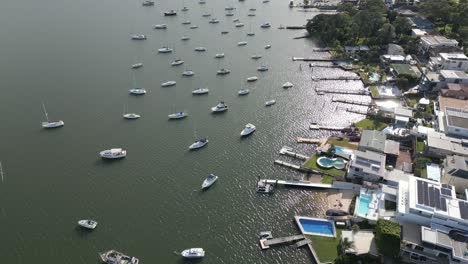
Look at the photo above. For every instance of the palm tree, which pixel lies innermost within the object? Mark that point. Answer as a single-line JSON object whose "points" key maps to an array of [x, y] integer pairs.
{"points": [[346, 244]]}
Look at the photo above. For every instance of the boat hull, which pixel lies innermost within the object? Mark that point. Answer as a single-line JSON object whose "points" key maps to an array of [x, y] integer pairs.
{"points": [[56, 124]]}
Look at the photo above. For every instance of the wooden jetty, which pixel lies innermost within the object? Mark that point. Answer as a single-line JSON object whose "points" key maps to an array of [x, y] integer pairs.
{"points": [[312, 59], [336, 184], [267, 243], [311, 140], [341, 91], [287, 151], [339, 78], [319, 127], [288, 165], [301, 243], [349, 101]]}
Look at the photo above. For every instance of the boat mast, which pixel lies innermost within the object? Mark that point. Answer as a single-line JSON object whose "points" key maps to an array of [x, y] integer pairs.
{"points": [[45, 111]]}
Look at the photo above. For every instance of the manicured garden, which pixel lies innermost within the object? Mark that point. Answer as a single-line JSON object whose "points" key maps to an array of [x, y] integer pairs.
{"points": [[312, 164], [327, 248], [342, 142], [371, 124]]}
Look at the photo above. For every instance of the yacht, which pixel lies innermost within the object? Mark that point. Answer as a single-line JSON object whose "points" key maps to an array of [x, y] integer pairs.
{"points": [[265, 25], [168, 83], [268, 46], [256, 56], [193, 253], [221, 107], [137, 91], [199, 144], [48, 123], [115, 153], [235, 20], [206, 15], [165, 50], [210, 180], [219, 55], [184, 8], [265, 187], [89, 224], [200, 91], [131, 116], [137, 65], [186, 22], [115, 257], [229, 8], [270, 102], [241, 43], [262, 68], [239, 24], [252, 79], [213, 21], [177, 115], [138, 37], [185, 38], [148, 3], [287, 85], [177, 62], [249, 129], [188, 73], [244, 92], [193, 26], [223, 71], [200, 49], [170, 13], [160, 26]]}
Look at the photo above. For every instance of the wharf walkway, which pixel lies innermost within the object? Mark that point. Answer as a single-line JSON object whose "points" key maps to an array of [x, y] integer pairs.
{"points": [[312, 59], [319, 127], [341, 91], [349, 101], [336, 185], [289, 165], [303, 242], [266, 243], [311, 140], [339, 78], [287, 151]]}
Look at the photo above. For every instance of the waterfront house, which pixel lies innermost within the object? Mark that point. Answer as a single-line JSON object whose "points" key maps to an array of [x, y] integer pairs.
{"points": [[373, 140], [398, 68], [438, 145], [367, 165], [434, 81], [429, 42], [455, 90], [453, 117], [416, 32], [449, 61], [456, 172], [389, 59]]}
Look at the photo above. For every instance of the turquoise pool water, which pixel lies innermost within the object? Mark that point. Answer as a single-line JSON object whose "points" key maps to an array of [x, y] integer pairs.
{"points": [[325, 162], [364, 201], [374, 77], [316, 226], [341, 150]]}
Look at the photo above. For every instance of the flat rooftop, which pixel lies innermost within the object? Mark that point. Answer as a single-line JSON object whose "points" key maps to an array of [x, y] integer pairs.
{"points": [[438, 40], [453, 56], [449, 74], [436, 237]]}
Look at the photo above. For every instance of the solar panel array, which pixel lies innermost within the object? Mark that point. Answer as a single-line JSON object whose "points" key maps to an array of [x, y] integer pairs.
{"points": [[463, 209], [430, 196]]}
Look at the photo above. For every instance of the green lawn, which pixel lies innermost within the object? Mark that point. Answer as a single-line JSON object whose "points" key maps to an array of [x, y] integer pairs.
{"points": [[420, 146], [371, 124], [411, 101], [327, 179], [344, 142], [312, 164], [326, 247], [375, 93]]}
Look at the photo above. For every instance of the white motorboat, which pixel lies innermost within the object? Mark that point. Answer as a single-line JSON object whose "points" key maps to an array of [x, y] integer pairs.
{"points": [[170, 13], [137, 65], [268, 46], [229, 8], [200, 91], [165, 50], [249, 129], [199, 144], [252, 79], [219, 55], [168, 83], [115, 153], [287, 85], [160, 26], [137, 91], [184, 8], [210, 180], [193, 26], [256, 56], [178, 115], [138, 37], [188, 73], [131, 116], [213, 21], [115, 257], [235, 20], [239, 24], [148, 3], [221, 107], [186, 22], [200, 49], [193, 253], [48, 123], [177, 62], [241, 43], [244, 92], [206, 15], [262, 68], [270, 102], [223, 71], [185, 38], [89, 224], [265, 25]]}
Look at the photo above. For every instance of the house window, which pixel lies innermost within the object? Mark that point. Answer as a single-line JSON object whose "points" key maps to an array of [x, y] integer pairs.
{"points": [[356, 169], [460, 64], [418, 248]]}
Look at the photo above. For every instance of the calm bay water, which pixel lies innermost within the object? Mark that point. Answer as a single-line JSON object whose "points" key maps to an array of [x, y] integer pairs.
{"points": [[75, 56]]}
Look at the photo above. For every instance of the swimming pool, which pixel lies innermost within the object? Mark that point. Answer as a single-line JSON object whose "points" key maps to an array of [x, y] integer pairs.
{"points": [[341, 150], [363, 207], [316, 226], [325, 162]]}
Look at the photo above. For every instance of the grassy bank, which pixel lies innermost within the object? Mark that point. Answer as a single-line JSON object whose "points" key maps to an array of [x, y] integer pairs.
{"points": [[312, 164], [326, 247], [371, 123], [342, 142], [374, 91]]}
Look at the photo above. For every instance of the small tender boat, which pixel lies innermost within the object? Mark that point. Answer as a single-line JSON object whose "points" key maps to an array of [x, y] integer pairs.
{"points": [[131, 116], [115, 257], [210, 180], [137, 91], [160, 26], [213, 21], [223, 71], [252, 9], [229, 14], [148, 3], [252, 79], [89, 224], [165, 50], [265, 1], [256, 56], [219, 55], [287, 85], [199, 144], [53, 124], [177, 62], [200, 49], [170, 13], [202, 2], [138, 37], [168, 83], [221, 107], [224, 32], [184, 8], [177, 115], [244, 92], [200, 91], [268, 46], [193, 26], [206, 15], [265, 25], [186, 22], [185, 38], [239, 24], [229, 8], [251, 14], [193, 253], [262, 68], [265, 235], [188, 73], [241, 43], [249, 129], [235, 20], [115, 153], [250, 34], [270, 102], [137, 65]]}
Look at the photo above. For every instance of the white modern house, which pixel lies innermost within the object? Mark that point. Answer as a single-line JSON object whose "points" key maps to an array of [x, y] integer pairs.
{"points": [[367, 165], [428, 42], [449, 61]]}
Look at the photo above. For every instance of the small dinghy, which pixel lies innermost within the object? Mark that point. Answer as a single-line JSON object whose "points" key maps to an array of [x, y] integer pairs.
{"points": [[200, 91], [268, 46], [148, 3], [213, 21], [223, 71], [178, 115], [199, 144], [186, 22], [193, 253], [193, 26], [270, 102], [256, 56], [168, 83], [210, 180], [137, 65], [262, 68], [188, 73], [252, 79], [219, 55], [287, 85], [89, 224], [265, 25], [200, 49], [115, 153], [138, 37], [137, 91], [224, 32], [131, 116], [239, 24], [160, 26], [244, 92], [206, 15], [241, 43], [184, 9]]}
